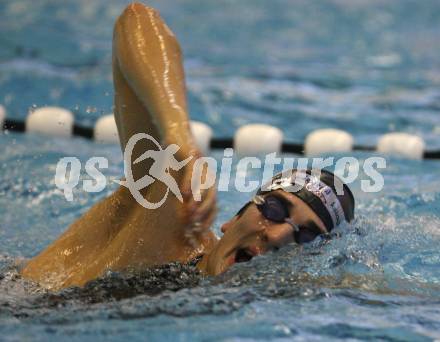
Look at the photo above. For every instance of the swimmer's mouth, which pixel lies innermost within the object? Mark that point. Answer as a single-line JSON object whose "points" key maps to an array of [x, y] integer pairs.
{"points": [[243, 255]]}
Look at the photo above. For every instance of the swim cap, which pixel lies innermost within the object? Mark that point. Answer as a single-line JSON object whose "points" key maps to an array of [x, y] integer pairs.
{"points": [[327, 195]]}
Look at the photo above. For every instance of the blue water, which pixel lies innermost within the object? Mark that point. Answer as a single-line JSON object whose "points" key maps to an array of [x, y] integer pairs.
{"points": [[368, 67]]}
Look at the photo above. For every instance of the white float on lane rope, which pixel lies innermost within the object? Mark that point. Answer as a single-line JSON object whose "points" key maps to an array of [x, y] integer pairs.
{"points": [[54, 121], [257, 139], [105, 130], [328, 140], [401, 144], [2, 116], [202, 134]]}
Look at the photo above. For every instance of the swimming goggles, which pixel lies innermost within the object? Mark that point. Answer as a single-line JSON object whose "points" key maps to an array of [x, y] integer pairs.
{"points": [[276, 210]]}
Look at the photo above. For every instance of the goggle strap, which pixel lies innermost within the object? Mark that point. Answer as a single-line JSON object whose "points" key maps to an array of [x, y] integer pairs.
{"points": [[292, 224]]}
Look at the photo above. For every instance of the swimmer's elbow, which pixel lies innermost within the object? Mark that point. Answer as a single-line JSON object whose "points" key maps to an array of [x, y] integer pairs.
{"points": [[132, 23], [139, 7], [136, 9]]}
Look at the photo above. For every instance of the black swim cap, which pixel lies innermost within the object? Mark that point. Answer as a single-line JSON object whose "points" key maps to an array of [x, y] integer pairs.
{"points": [[321, 190]]}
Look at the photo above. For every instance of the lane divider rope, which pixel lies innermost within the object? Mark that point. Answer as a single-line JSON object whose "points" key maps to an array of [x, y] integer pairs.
{"points": [[252, 139]]}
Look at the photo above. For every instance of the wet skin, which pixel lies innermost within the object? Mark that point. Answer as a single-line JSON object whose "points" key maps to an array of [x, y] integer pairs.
{"points": [[250, 234], [118, 233]]}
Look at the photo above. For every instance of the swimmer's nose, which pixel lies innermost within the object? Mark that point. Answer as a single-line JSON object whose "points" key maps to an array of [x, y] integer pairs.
{"points": [[278, 236]]}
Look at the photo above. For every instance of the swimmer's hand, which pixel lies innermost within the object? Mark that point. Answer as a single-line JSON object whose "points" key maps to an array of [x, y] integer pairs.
{"points": [[199, 200]]}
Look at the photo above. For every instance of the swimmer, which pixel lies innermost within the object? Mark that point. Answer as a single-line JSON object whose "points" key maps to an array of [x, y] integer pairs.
{"points": [[118, 233]]}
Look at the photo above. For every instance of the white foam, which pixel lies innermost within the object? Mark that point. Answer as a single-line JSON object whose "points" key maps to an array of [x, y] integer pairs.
{"points": [[54, 121]]}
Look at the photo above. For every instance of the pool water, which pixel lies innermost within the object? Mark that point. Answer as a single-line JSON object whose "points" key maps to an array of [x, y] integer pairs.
{"points": [[368, 67]]}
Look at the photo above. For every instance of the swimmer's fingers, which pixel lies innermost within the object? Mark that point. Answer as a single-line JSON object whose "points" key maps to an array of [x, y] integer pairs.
{"points": [[209, 200], [200, 199], [187, 178], [201, 219], [208, 220], [197, 231], [186, 184], [195, 211]]}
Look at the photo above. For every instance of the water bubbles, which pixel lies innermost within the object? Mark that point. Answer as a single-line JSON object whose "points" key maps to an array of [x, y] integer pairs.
{"points": [[90, 110], [33, 108]]}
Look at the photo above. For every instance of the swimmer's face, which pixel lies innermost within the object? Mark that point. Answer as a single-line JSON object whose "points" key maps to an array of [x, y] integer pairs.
{"points": [[250, 233]]}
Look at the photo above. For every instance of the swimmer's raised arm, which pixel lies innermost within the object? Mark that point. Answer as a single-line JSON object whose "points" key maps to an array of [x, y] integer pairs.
{"points": [[149, 58], [150, 97], [118, 233]]}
